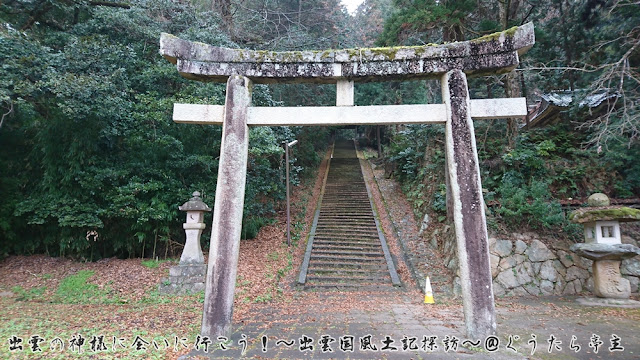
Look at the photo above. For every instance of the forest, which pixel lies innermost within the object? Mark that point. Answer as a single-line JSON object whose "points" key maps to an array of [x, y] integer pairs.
{"points": [[87, 142]]}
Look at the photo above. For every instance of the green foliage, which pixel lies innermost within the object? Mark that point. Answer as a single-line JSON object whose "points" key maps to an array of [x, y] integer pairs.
{"points": [[528, 203], [28, 295], [251, 226], [74, 289], [152, 263], [412, 21], [89, 143], [439, 203]]}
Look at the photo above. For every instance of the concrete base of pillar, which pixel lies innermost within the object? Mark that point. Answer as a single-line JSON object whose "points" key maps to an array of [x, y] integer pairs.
{"points": [[184, 279]]}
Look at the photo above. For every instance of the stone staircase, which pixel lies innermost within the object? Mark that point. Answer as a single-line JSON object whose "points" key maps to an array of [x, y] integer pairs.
{"points": [[345, 249]]}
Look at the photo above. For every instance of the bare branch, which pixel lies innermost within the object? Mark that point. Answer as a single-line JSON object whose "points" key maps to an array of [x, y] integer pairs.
{"points": [[6, 114]]}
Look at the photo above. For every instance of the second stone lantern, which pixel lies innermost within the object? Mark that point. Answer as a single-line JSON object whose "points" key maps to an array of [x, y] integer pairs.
{"points": [[195, 208], [189, 275]]}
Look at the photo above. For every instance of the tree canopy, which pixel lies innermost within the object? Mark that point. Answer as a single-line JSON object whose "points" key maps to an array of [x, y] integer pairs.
{"points": [[87, 142]]}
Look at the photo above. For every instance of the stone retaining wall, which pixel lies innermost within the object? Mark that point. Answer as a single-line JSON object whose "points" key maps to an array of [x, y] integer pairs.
{"points": [[523, 265]]}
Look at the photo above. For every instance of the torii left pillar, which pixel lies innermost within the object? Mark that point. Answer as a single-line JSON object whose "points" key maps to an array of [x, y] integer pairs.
{"points": [[227, 213]]}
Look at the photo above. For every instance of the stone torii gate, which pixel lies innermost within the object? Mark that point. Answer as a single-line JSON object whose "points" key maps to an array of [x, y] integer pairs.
{"points": [[496, 53]]}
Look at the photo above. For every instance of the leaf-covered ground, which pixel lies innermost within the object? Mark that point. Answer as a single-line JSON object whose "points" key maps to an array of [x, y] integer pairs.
{"points": [[109, 308], [45, 300]]}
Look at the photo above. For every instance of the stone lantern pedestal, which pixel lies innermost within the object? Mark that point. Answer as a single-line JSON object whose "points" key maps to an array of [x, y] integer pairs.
{"points": [[189, 275], [603, 244]]}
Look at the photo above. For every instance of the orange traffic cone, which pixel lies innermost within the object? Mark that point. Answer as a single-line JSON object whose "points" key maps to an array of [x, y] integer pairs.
{"points": [[428, 293]]}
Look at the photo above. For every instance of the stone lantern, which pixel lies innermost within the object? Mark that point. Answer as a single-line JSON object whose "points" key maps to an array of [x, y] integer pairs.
{"points": [[189, 275], [195, 208], [603, 244]]}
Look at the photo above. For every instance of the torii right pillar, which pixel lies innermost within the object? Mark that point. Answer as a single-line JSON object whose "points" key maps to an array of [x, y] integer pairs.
{"points": [[468, 208]]}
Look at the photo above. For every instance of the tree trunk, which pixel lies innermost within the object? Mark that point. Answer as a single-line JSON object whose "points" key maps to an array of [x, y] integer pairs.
{"points": [[223, 7], [379, 143], [512, 89], [508, 12]]}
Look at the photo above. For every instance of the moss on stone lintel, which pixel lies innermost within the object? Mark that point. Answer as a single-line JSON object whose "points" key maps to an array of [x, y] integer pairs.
{"points": [[511, 32], [174, 47], [620, 213]]}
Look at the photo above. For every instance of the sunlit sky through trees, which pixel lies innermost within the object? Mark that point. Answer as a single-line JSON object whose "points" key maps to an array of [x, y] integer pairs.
{"points": [[352, 5]]}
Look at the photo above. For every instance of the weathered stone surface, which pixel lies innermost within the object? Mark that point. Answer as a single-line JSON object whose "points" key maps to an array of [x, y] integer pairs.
{"points": [[569, 288], [630, 267], [518, 291], [199, 286], [453, 263], [566, 258], [520, 247], [507, 263], [582, 262], [227, 213], [503, 248], [498, 289], [598, 199], [188, 270], [575, 272], [608, 302], [489, 54], [595, 251], [548, 271], [425, 224], [620, 213], [457, 287], [633, 283], [507, 279], [608, 282], [538, 251], [524, 273], [492, 242], [195, 208], [560, 269], [519, 259], [184, 279], [468, 208], [589, 284], [558, 289], [546, 287], [194, 204], [532, 288], [494, 260], [626, 239], [536, 267]]}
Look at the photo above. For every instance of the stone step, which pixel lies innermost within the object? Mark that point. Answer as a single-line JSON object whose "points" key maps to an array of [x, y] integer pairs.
{"points": [[347, 258], [364, 238], [345, 265], [347, 229], [316, 270], [345, 205], [340, 216], [340, 220], [360, 252], [328, 215], [359, 223], [348, 244], [339, 246], [350, 233], [347, 251], [349, 287], [348, 279]]}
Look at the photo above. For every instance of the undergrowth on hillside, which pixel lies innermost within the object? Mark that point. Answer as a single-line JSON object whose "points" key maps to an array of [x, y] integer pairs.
{"points": [[522, 185]]}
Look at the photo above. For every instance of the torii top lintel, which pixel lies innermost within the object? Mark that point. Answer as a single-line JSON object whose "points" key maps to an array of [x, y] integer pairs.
{"points": [[490, 54]]}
